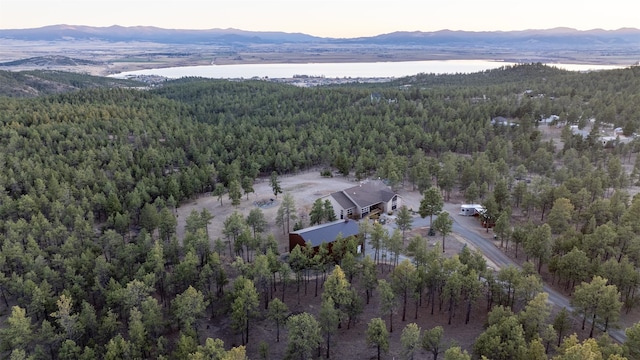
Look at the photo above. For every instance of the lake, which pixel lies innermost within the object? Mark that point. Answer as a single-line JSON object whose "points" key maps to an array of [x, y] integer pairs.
{"points": [[338, 70]]}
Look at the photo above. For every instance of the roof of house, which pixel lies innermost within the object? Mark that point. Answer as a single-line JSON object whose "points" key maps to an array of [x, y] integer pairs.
{"points": [[365, 194], [582, 132], [550, 119], [343, 200], [328, 232]]}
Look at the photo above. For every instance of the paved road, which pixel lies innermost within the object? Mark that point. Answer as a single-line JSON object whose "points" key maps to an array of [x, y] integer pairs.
{"points": [[499, 259], [495, 255]]}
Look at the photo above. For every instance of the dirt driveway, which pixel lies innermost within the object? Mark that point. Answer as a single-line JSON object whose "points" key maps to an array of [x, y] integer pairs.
{"points": [[305, 188]]}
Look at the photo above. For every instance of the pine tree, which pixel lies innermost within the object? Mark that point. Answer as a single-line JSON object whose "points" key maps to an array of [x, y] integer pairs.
{"points": [[378, 336], [275, 184], [431, 203]]}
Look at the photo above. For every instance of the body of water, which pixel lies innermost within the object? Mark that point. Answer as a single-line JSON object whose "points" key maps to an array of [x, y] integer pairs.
{"points": [[338, 70]]}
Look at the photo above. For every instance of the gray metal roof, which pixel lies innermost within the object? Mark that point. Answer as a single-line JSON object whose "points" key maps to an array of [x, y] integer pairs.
{"points": [[328, 232]]}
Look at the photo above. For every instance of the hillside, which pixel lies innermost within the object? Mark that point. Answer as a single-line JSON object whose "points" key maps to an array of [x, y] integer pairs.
{"points": [[49, 61], [38, 83]]}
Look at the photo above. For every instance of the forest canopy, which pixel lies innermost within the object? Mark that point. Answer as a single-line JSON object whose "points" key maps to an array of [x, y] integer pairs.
{"points": [[90, 263]]}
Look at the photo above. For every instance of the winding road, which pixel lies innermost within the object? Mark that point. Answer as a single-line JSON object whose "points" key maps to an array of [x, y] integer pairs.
{"points": [[497, 258]]}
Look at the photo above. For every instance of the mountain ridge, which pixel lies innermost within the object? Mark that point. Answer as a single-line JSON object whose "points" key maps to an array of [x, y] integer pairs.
{"points": [[115, 33], [118, 33]]}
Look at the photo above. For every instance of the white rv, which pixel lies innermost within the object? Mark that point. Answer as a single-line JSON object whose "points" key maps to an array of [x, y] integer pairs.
{"points": [[471, 209]]}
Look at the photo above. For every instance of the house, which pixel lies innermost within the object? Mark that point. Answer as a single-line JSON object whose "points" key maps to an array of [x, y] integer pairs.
{"points": [[502, 121], [499, 120], [550, 120], [608, 141], [471, 209], [367, 199], [325, 233], [577, 131]]}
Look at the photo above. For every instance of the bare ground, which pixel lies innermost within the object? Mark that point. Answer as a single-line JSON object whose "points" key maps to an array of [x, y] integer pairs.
{"points": [[305, 188]]}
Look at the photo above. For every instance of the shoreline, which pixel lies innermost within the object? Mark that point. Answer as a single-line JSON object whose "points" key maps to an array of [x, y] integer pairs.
{"points": [[113, 58]]}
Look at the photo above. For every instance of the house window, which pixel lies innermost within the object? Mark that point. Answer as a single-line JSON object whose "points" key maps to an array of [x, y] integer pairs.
{"points": [[341, 214], [364, 211], [350, 213], [394, 203]]}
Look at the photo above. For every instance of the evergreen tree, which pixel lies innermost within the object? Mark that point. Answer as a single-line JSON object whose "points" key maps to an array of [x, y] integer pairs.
{"points": [[388, 301], [431, 203], [286, 213], [329, 318], [247, 185], [275, 184], [432, 341], [244, 306], [18, 332], [316, 216], [404, 221], [328, 211], [235, 192], [278, 312], [410, 341], [597, 302], [304, 336], [188, 307], [377, 336], [444, 225]]}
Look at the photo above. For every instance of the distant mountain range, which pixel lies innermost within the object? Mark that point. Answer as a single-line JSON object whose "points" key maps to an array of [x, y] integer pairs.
{"points": [[153, 34], [561, 38]]}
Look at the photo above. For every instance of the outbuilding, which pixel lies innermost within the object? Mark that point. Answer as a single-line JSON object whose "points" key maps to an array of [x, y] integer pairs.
{"points": [[326, 233]]}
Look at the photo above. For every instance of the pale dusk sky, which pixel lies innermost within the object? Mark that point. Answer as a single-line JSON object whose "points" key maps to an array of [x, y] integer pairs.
{"points": [[326, 18]]}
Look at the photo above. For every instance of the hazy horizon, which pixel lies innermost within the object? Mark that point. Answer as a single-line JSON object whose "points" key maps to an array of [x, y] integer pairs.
{"points": [[328, 18], [300, 32]]}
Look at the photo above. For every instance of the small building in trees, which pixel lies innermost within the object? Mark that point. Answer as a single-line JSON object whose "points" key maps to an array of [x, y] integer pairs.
{"points": [[326, 233], [369, 198], [608, 141], [549, 120], [575, 130], [502, 121]]}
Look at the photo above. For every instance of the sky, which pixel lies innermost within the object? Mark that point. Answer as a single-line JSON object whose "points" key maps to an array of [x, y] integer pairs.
{"points": [[326, 18]]}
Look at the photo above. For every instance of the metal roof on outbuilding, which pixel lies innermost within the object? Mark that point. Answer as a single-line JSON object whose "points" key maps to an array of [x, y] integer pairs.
{"points": [[328, 232]]}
